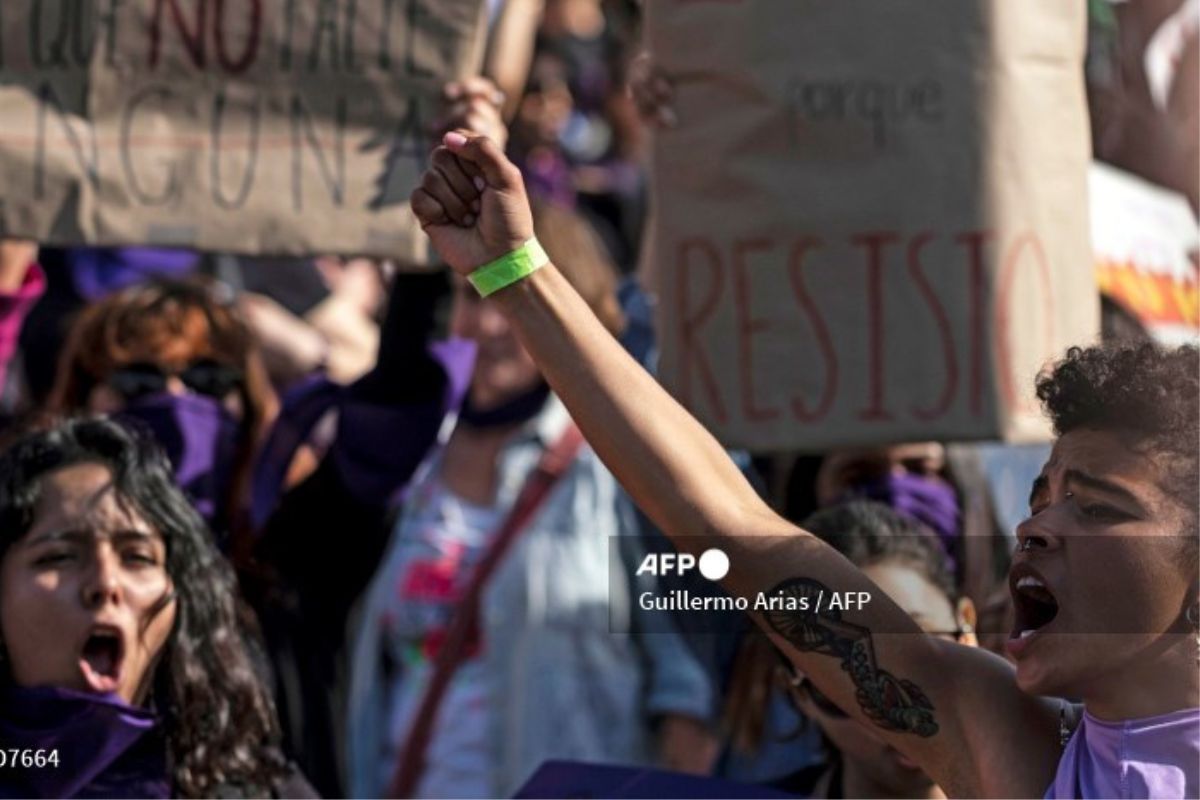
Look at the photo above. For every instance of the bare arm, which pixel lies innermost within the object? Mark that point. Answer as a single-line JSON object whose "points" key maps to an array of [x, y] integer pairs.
{"points": [[16, 257], [510, 51], [927, 698]]}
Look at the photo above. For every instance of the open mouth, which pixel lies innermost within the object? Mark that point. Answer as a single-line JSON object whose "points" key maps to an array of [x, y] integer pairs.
{"points": [[1035, 605], [101, 659]]}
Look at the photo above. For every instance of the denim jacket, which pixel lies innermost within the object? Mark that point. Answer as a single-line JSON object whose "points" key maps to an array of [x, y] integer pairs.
{"points": [[563, 685]]}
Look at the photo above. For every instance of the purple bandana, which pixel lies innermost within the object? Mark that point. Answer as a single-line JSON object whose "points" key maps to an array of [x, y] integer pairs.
{"points": [[200, 437], [930, 501], [100, 271], [104, 747]]}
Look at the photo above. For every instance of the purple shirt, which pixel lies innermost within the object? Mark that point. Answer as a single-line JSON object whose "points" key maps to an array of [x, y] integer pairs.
{"points": [[1152, 757]]}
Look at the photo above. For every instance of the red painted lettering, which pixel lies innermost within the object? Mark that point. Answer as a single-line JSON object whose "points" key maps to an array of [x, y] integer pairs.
{"points": [[949, 353], [1008, 272], [193, 37], [689, 324], [748, 326], [252, 36], [874, 242], [976, 316], [829, 384]]}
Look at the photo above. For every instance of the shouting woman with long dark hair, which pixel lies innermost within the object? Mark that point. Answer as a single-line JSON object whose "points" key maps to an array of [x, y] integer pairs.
{"points": [[125, 668]]}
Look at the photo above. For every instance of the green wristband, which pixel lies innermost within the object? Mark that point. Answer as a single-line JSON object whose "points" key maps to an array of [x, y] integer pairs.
{"points": [[507, 270]]}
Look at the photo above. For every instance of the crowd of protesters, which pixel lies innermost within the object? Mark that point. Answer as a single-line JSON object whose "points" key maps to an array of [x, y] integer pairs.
{"points": [[339, 527]]}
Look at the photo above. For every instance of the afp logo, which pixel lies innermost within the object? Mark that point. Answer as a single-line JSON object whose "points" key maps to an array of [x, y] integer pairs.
{"points": [[713, 564]]}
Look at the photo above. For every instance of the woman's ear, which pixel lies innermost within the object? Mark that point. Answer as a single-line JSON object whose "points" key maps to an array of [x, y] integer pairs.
{"points": [[964, 612]]}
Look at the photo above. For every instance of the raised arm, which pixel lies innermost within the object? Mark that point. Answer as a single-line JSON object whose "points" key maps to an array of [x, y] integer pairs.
{"points": [[938, 703]]}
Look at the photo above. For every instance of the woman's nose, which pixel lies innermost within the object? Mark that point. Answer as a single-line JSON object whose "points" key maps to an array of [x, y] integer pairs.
{"points": [[102, 584], [1036, 534]]}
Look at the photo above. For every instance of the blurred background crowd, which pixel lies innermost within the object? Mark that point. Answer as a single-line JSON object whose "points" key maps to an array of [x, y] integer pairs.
{"points": [[354, 433]]}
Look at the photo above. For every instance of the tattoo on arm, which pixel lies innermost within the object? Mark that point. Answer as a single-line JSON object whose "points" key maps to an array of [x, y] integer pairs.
{"points": [[892, 703]]}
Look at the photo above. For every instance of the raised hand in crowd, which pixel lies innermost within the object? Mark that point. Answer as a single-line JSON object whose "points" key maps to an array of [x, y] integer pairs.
{"points": [[472, 202], [475, 104], [652, 92], [16, 257]]}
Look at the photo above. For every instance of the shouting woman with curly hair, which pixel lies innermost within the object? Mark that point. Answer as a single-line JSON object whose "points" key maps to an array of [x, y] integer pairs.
{"points": [[1104, 581], [125, 668]]}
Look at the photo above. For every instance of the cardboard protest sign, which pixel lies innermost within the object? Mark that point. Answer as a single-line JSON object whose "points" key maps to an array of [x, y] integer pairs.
{"points": [[1145, 241], [257, 126], [871, 220]]}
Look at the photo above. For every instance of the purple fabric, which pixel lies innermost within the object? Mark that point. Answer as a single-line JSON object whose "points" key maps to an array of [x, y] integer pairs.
{"points": [[1153, 757], [99, 271], [301, 408], [200, 437], [105, 747], [548, 177], [930, 501], [372, 471], [14, 307]]}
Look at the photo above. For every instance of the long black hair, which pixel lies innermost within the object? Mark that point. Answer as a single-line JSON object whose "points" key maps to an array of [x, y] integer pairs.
{"points": [[217, 713]]}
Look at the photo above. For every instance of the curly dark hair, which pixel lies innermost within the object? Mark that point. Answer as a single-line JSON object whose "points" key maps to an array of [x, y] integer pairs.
{"points": [[218, 717], [869, 533], [1144, 391]]}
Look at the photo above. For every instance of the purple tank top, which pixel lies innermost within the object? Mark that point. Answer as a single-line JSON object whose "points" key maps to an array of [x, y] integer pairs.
{"points": [[1151, 757]]}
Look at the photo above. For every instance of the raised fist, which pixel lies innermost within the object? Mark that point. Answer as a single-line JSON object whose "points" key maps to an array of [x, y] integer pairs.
{"points": [[471, 202]]}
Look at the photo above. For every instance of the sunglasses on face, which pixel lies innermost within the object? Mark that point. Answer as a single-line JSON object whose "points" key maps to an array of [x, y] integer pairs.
{"points": [[204, 376]]}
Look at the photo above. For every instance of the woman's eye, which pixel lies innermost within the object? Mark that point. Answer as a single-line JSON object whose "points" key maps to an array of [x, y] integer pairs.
{"points": [[141, 558], [1102, 513], [52, 559]]}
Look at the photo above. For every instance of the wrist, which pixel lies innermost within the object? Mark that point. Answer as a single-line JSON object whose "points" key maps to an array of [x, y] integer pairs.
{"points": [[510, 268]]}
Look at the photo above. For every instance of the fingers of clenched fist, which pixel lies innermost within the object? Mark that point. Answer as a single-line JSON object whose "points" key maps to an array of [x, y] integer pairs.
{"points": [[451, 190], [471, 201], [448, 180]]}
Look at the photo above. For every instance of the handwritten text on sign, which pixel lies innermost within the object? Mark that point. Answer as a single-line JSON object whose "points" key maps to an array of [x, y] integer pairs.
{"points": [[870, 233], [259, 126], [893, 285]]}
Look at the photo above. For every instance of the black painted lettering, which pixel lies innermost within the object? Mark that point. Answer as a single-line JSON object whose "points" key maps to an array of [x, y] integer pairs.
{"points": [[410, 58], [325, 33], [385, 34], [305, 133], [169, 188], [288, 8], [410, 146], [84, 147], [350, 40], [47, 41], [238, 199], [108, 23]]}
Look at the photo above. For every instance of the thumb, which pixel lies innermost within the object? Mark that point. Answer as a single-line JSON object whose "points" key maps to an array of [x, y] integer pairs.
{"points": [[480, 151]]}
